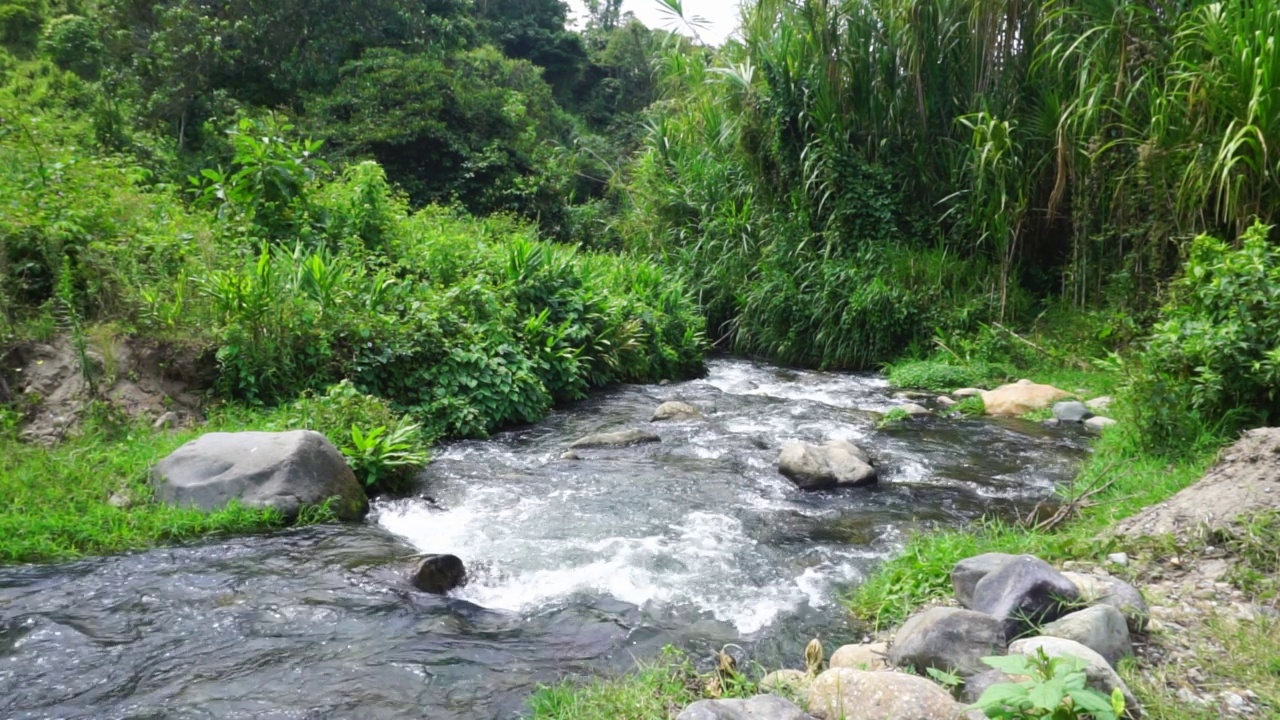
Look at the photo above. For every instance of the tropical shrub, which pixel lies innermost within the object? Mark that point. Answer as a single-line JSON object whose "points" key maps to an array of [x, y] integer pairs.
{"points": [[385, 448], [1212, 363]]}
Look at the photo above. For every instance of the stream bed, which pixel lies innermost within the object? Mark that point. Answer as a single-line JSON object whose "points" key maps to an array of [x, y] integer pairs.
{"points": [[576, 566]]}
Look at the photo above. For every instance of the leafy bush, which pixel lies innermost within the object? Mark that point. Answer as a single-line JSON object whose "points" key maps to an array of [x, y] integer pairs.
{"points": [[385, 448], [940, 376], [1055, 690], [1212, 363]]}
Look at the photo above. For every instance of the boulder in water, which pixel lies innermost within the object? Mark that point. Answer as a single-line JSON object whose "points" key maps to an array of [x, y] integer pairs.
{"points": [[623, 438], [834, 463], [438, 574], [1072, 411], [284, 471], [676, 411], [1021, 398]]}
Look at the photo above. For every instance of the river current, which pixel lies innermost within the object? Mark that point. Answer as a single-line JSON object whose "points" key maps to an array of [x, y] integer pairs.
{"points": [[577, 567]]}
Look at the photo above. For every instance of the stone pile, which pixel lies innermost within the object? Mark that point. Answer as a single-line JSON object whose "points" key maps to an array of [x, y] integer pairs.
{"points": [[1010, 605]]}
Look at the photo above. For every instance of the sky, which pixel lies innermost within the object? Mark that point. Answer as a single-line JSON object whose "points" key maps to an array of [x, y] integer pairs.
{"points": [[721, 16]]}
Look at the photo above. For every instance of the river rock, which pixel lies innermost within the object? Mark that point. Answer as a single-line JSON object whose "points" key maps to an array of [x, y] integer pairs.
{"points": [[439, 574], [1113, 591], [792, 683], [915, 410], [844, 694], [1100, 628], [947, 639], [966, 574], [967, 393], [945, 402], [1021, 398], [622, 438], [1098, 423], [975, 685], [1022, 593], [865, 656], [1100, 404], [835, 463], [1101, 676], [284, 471], [676, 411], [760, 707], [1071, 411]]}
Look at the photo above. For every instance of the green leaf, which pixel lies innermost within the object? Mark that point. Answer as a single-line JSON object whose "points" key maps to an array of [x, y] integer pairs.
{"points": [[1001, 695], [1047, 695]]}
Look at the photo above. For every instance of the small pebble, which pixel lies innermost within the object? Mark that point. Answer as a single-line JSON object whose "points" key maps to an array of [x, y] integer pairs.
{"points": [[1121, 559]]}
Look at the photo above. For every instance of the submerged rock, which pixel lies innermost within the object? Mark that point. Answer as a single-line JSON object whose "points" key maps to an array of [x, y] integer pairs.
{"points": [[947, 639], [282, 471], [623, 438], [676, 411], [844, 694], [760, 707], [915, 410], [1024, 592], [835, 463], [438, 574], [1021, 398]]}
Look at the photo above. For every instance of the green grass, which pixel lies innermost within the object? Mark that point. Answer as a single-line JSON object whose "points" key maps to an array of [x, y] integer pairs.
{"points": [[943, 377], [54, 502], [657, 689]]}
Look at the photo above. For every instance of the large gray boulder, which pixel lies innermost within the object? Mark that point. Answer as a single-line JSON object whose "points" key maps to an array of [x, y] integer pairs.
{"points": [[622, 438], [835, 463], [760, 707], [438, 574], [1072, 411], [966, 574], [1101, 676], [676, 411], [1023, 593], [1110, 590], [284, 471], [844, 694], [1100, 628], [947, 639]]}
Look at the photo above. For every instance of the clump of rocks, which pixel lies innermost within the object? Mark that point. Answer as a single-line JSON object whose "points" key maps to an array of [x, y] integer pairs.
{"points": [[1009, 605]]}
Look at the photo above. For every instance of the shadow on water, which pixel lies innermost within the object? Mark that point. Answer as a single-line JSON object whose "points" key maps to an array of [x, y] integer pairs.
{"points": [[578, 566]]}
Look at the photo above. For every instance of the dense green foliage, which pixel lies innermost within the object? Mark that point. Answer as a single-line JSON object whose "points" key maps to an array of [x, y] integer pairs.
{"points": [[1213, 358]]}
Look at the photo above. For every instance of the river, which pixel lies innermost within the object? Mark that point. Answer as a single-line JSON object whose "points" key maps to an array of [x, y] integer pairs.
{"points": [[577, 567]]}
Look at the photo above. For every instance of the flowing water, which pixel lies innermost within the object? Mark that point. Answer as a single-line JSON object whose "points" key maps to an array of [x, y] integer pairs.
{"points": [[577, 566]]}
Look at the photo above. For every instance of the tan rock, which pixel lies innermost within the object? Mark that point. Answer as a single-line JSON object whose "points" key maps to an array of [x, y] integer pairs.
{"points": [[845, 694], [865, 656], [676, 411], [1021, 397], [792, 683]]}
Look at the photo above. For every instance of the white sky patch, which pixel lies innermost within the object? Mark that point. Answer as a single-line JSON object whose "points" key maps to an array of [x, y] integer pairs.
{"points": [[721, 16]]}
